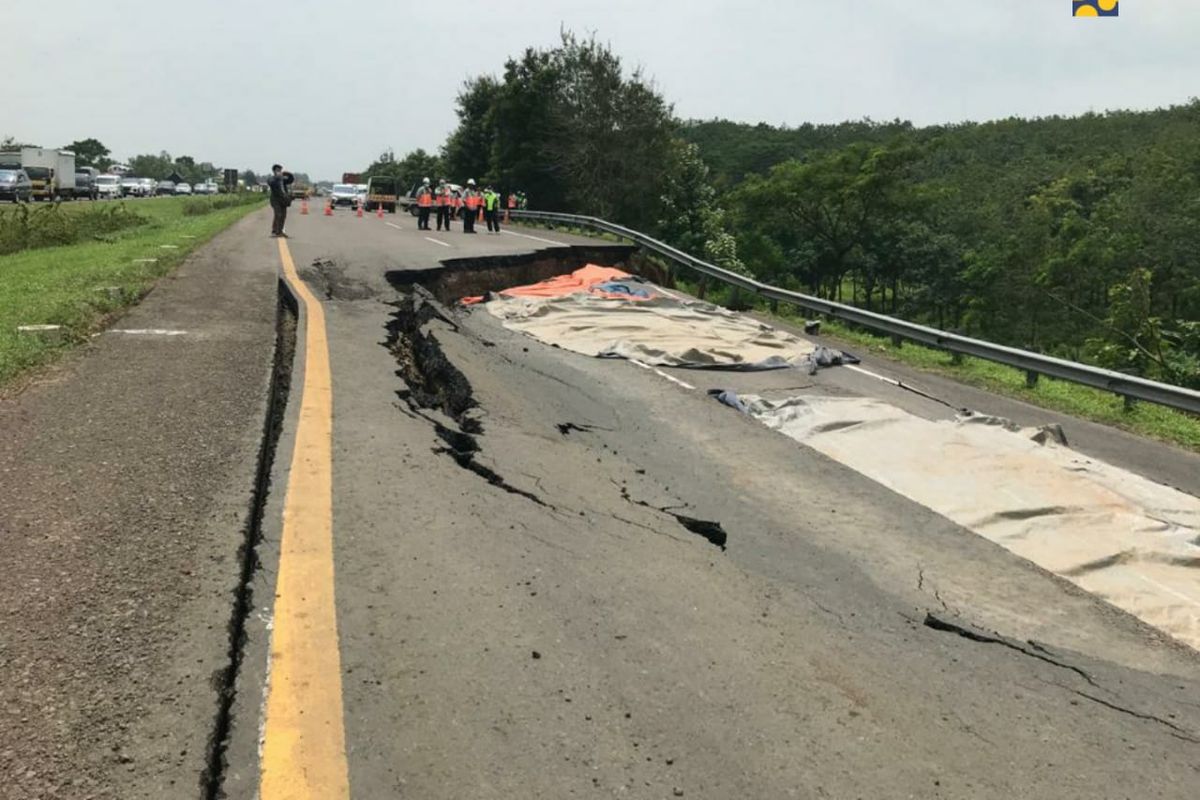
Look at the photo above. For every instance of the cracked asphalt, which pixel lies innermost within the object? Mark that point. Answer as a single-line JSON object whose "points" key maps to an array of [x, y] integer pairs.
{"points": [[555, 576], [531, 599]]}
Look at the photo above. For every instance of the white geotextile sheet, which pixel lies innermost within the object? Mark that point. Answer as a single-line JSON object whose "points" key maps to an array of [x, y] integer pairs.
{"points": [[1129, 540], [661, 331]]}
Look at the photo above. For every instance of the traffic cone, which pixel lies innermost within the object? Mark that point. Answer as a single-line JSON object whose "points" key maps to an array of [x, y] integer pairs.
{"points": [[379, 211], [360, 210], [304, 208], [329, 210]]}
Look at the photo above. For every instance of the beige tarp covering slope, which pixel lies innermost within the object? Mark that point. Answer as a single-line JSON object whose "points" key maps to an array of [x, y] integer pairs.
{"points": [[661, 331], [1129, 540]]}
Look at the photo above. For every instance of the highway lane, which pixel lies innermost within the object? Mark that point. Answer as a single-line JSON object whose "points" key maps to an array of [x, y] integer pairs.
{"points": [[527, 606]]}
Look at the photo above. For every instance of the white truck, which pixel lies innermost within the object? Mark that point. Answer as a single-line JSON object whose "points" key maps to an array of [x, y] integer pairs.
{"points": [[51, 171]]}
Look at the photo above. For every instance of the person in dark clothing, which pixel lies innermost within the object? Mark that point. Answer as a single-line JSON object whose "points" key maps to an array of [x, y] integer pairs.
{"points": [[280, 184]]}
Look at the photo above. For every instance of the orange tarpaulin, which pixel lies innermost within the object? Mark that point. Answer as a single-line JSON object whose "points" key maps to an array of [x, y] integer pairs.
{"points": [[581, 280]]}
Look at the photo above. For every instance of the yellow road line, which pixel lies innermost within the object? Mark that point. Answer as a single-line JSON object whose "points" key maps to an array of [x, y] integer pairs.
{"points": [[303, 740]]}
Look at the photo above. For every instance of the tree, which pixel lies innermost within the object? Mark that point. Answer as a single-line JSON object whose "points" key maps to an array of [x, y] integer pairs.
{"points": [[567, 126], [157, 167], [90, 153], [249, 178], [409, 170], [467, 153]]}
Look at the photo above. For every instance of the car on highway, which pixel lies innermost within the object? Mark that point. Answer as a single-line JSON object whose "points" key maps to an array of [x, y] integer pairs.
{"points": [[108, 187], [165, 188], [344, 194], [183, 188], [85, 183], [207, 187], [361, 190], [15, 185], [149, 186]]}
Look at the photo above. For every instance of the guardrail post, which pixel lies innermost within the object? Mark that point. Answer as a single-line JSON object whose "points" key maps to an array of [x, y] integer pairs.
{"points": [[897, 341], [702, 289], [1130, 404], [1031, 379], [774, 306]]}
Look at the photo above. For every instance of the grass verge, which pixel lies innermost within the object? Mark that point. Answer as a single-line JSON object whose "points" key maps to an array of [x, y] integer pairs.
{"points": [[80, 286]]}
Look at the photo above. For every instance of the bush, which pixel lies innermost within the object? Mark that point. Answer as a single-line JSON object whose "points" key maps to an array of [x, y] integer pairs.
{"points": [[48, 226], [198, 206]]}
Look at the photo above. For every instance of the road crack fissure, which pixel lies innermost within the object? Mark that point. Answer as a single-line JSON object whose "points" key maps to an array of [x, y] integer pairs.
{"points": [[434, 383], [708, 529], [1175, 730], [939, 624], [225, 680]]}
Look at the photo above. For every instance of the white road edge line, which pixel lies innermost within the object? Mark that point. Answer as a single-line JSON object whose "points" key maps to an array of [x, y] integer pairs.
{"points": [[535, 238], [393, 225], [438, 241], [660, 373], [875, 375], [147, 331]]}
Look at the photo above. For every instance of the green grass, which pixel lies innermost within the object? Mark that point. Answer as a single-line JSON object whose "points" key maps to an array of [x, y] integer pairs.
{"points": [[67, 285]]}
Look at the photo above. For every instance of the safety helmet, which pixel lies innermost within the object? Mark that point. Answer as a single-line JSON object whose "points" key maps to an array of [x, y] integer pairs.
{"points": [[426, 180], [471, 182]]}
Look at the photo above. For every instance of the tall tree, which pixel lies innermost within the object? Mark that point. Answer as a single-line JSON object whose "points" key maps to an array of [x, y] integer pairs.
{"points": [[90, 153]]}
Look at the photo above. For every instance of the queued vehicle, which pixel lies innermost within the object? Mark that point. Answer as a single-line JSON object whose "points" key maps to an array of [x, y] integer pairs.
{"points": [[361, 189], [51, 171], [149, 186], [15, 185], [85, 182], [381, 192], [108, 187], [183, 188], [207, 187], [344, 194], [165, 188]]}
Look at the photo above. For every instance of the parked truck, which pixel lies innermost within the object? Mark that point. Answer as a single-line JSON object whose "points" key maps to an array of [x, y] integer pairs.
{"points": [[51, 171]]}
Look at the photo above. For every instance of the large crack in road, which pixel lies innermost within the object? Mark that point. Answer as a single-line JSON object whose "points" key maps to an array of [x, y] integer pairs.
{"points": [[434, 383]]}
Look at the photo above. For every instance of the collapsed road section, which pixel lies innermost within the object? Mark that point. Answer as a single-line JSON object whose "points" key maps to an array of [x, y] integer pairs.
{"points": [[438, 392]]}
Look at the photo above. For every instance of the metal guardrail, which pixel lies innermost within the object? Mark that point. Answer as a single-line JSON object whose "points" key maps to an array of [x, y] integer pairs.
{"points": [[1128, 386]]}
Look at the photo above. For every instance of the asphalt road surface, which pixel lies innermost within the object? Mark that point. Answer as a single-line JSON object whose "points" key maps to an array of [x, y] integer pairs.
{"points": [[494, 569], [529, 598]]}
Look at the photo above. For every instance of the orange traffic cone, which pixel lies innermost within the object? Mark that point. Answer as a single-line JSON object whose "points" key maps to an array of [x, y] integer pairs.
{"points": [[360, 210], [304, 207], [379, 211], [329, 210]]}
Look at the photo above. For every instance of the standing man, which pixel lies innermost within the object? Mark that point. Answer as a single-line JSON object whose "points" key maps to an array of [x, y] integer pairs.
{"points": [[471, 203], [455, 203], [512, 204], [424, 204], [280, 184], [443, 204], [491, 209]]}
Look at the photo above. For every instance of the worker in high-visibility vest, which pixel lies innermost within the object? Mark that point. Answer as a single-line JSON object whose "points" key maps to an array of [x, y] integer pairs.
{"points": [[442, 199], [472, 200], [491, 209], [424, 204], [511, 202], [455, 203]]}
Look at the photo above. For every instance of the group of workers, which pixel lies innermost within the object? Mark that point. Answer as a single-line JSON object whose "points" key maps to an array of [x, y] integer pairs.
{"points": [[448, 203]]}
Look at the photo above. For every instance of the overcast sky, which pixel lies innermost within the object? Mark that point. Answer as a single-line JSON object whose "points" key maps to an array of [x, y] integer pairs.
{"points": [[325, 85]]}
